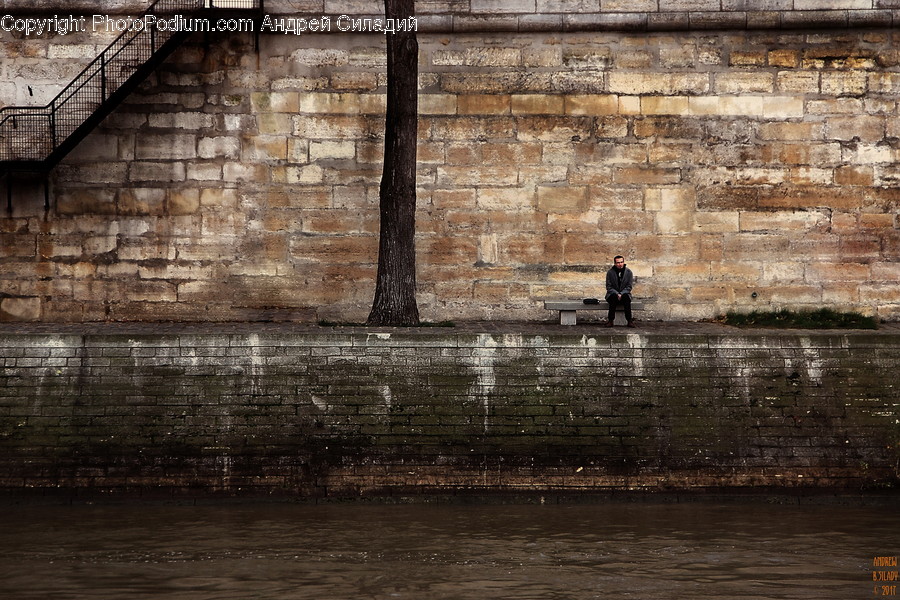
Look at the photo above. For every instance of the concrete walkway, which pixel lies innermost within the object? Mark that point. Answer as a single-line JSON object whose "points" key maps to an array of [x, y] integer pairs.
{"points": [[498, 327]]}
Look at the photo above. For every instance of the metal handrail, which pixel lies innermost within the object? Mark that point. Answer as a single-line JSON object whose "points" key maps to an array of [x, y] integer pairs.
{"points": [[30, 134]]}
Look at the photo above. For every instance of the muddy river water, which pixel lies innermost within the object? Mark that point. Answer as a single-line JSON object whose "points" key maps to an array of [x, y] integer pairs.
{"points": [[643, 550]]}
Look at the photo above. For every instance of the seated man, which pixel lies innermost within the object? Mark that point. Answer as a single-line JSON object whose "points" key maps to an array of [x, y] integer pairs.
{"points": [[619, 281]]}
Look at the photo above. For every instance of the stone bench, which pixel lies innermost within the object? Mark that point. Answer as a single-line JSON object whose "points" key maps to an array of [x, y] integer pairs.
{"points": [[568, 308]]}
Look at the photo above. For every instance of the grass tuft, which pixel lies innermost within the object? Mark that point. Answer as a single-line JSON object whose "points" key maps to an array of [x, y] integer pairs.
{"points": [[823, 318]]}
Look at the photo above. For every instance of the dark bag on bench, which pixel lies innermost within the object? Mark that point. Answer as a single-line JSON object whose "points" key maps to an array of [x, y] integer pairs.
{"points": [[591, 301]]}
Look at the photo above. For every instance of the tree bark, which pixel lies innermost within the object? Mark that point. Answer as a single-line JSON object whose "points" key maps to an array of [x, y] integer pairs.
{"points": [[395, 285]]}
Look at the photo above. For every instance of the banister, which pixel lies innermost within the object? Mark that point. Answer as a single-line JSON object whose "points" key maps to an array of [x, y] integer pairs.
{"points": [[26, 130]]}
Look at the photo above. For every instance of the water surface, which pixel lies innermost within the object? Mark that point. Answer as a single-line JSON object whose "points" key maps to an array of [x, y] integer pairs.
{"points": [[432, 552]]}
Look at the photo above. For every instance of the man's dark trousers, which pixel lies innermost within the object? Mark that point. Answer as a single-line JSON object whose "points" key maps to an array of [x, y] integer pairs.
{"points": [[614, 301]]}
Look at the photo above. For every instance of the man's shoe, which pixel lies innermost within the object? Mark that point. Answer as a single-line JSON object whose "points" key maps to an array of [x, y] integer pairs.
{"points": [[631, 324], [610, 324]]}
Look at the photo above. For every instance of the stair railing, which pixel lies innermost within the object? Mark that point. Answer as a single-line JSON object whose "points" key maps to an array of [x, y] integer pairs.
{"points": [[34, 136]]}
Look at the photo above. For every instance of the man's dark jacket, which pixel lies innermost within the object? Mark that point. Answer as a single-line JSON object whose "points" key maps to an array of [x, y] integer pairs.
{"points": [[613, 286]]}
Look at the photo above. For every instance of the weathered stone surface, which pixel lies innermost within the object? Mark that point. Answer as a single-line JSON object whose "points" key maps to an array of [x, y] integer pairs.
{"points": [[318, 414], [20, 309], [535, 150]]}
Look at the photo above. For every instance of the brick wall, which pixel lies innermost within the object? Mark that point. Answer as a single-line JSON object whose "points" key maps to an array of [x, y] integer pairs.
{"points": [[243, 185], [343, 413]]}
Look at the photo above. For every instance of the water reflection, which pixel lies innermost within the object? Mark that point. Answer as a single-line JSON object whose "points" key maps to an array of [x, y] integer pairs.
{"points": [[646, 551]]}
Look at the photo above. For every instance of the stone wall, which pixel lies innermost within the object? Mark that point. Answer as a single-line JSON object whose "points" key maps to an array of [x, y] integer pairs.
{"points": [[555, 15], [735, 169], [345, 413]]}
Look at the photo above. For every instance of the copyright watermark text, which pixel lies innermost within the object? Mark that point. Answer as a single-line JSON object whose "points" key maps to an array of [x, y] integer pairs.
{"points": [[64, 25]]}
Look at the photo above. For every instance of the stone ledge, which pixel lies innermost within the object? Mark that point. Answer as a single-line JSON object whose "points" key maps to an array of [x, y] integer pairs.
{"points": [[528, 18], [650, 328]]}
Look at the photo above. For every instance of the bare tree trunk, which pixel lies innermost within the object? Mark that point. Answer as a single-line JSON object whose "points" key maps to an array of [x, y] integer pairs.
{"points": [[395, 286]]}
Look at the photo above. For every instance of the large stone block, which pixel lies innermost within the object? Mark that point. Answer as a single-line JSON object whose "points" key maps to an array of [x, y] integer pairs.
{"points": [[548, 174], [625, 221], [262, 148], [307, 174], [783, 220], [483, 104], [334, 127], [182, 120], [166, 147], [593, 104], [478, 57], [748, 272], [802, 197], [520, 153], [868, 154], [646, 176], [562, 199], [781, 107], [668, 127], [537, 104], [821, 155], [157, 171], [326, 150], [674, 222], [502, 6], [592, 175], [141, 201], [242, 172], [692, 5], [783, 57], [665, 105], [748, 105], [659, 83], [609, 153], [811, 176], [673, 199], [326, 103], [744, 83], [716, 222], [822, 272], [20, 309], [742, 176], [754, 246], [791, 131], [218, 147], [472, 128], [793, 296], [591, 58], [274, 124], [850, 83], [99, 147], [877, 221], [203, 171], [854, 175], [609, 128], [553, 128], [803, 82], [512, 198], [86, 201], [183, 201], [468, 176], [861, 128]]}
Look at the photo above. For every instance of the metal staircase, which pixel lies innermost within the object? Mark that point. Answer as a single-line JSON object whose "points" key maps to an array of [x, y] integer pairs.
{"points": [[35, 139]]}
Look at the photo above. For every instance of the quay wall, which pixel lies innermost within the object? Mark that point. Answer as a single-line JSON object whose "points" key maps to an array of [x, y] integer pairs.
{"points": [[347, 413], [749, 166]]}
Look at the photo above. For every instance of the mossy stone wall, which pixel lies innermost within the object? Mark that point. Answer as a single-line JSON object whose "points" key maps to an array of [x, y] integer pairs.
{"points": [[336, 414]]}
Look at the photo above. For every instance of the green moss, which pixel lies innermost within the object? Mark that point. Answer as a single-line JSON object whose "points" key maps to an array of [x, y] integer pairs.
{"points": [[824, 318]]}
